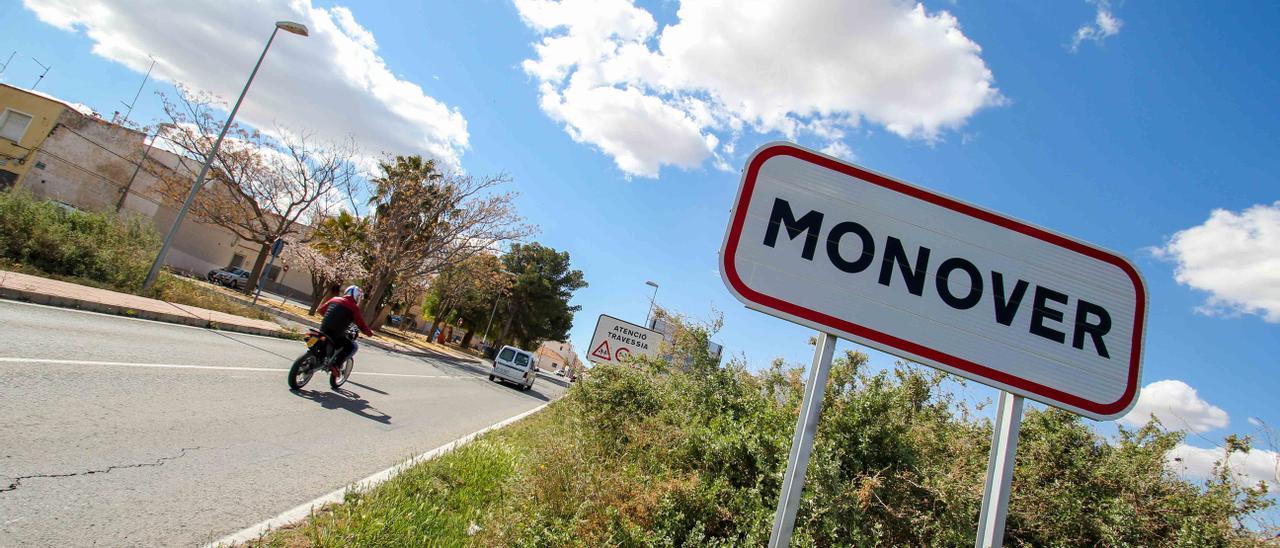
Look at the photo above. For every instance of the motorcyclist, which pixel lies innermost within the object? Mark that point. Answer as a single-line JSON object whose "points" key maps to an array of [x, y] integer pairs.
{"points": [[339, 312]]}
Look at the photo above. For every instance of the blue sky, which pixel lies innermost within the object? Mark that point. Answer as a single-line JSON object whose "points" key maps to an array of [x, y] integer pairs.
{"points": [[1123, 141]]}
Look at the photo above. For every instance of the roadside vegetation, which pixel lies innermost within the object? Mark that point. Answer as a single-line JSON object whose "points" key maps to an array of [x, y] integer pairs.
{"points": [[693, 454], [97, 249]]}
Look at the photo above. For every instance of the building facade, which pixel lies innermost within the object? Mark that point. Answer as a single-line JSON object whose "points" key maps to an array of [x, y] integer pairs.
{"points": [[81, 160], [553, 355], [25, 120]]}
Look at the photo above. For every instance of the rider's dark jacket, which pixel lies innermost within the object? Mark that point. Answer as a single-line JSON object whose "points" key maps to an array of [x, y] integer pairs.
{"points": [[339, 312]]}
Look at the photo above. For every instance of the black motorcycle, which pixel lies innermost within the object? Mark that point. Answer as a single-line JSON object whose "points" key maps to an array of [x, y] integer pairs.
{"points": [[319, 351]]}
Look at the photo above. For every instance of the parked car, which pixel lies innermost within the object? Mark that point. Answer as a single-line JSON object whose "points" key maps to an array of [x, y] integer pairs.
{"points": [[231, 276], [394, 321], [516, 366], [65, 206], [560, 372]]}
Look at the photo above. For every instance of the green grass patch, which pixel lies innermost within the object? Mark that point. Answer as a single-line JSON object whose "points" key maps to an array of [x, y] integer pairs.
{"points": [[435, 503], [179, 290], [693, 455]]}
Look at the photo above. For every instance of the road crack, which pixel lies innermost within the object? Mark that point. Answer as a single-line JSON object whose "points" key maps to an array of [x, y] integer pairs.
{"points": [[14, 483]]}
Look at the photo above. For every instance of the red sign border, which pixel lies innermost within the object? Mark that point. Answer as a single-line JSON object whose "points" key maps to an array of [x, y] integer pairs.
{"points": [[745, 293]]}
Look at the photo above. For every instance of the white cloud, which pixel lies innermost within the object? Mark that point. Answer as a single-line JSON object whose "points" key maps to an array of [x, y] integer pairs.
{"points": [[1105, 25], [816, 67], [1178, 407], [333, 82], [636, 129], [1249, 468], [839, 150], [1233, 256]]}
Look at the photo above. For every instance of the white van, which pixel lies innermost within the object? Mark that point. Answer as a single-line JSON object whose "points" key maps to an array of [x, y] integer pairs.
{"points": [[515, 365]]}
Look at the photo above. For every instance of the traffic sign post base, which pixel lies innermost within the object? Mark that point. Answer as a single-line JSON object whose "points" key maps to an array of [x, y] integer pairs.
{"points": [[995, 493], [262, 277], [802, 444]]}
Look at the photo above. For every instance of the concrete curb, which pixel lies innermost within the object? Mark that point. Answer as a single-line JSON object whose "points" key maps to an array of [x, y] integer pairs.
{"points": [[93, 306], [303, 511]]}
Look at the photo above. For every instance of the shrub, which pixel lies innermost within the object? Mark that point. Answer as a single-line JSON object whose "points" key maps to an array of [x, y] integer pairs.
{"points": [[102, 247], [682, 451]]}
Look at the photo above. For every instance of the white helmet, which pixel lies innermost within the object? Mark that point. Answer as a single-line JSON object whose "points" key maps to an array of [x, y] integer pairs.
{"points": [[354, 292]]}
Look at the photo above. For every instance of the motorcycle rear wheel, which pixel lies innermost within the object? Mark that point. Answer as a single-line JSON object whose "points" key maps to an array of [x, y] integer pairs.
{"points": [[301, 370]]}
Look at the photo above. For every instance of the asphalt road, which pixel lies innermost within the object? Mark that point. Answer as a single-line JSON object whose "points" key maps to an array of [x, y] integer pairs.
{"points": [[122, 432]]}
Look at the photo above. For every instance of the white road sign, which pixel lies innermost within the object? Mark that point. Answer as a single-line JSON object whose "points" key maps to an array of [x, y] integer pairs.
{"points": [[615, 340], [935, 280]]}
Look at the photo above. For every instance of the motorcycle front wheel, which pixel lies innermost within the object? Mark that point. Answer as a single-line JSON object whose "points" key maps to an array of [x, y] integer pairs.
{"points": [[339, 378], [301, 370]]}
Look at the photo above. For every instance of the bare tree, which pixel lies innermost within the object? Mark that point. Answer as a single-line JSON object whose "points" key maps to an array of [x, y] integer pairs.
{"points": [[260, 187], [425, 220], [328, 270]]}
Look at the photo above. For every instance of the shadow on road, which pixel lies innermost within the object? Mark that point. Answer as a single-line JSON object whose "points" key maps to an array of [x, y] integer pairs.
{"points": [[250, 345], [348, 400], [368, 387]]}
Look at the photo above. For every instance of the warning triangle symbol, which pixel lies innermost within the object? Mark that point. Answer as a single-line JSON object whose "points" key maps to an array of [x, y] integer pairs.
{"points": [[602, 351]]}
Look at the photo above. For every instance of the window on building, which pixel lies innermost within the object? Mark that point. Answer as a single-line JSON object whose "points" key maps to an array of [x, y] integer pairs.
{"points": [[7, 178], [237, 261], [13, 124], [274, 274]]}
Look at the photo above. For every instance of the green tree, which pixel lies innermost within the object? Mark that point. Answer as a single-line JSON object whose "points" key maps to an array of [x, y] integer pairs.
{"points": [[426, 220], [538, 308], [468, 291]]}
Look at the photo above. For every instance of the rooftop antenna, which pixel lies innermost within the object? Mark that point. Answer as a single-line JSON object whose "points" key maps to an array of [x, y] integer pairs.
{"points": [[139, 93], [6, 63], [46, 71]]}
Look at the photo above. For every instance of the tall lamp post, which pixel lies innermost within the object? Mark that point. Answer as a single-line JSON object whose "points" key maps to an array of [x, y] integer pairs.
{"points": [[651, 301], [485, 341], [288, 26]]}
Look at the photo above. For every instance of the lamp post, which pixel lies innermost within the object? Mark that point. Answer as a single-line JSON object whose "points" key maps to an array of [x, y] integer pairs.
{"points": [[288, 26], [651, 301], [485, 341]]}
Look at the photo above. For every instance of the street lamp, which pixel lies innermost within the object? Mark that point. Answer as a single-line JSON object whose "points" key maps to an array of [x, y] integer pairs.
{"points": [[287, 26], [485, 340], [651, 301]]}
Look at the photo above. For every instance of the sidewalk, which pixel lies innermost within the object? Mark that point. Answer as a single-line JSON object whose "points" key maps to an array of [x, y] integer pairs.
{"points": [[24, 287], [35, 289], [296, 317]]}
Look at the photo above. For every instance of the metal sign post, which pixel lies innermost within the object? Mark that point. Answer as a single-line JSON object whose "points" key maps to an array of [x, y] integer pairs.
{"points": [[995, 494], [802, 444], [276, 247]]}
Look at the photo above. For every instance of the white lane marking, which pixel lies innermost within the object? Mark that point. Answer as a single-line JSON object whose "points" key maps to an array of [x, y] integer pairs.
{"points": [[119, 317], [210, 367], [304, 510]]}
